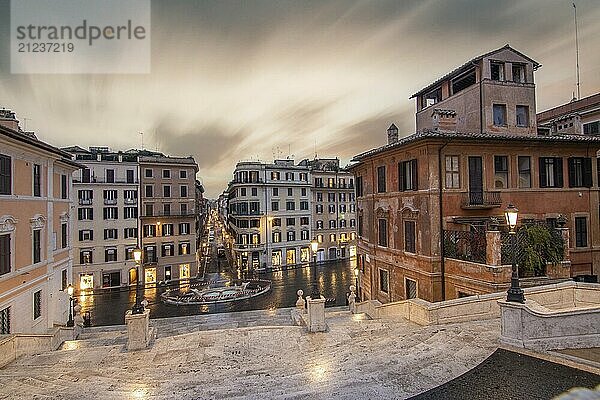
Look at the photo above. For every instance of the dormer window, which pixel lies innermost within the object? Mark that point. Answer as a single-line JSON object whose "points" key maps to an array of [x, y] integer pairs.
{"points": [[433, 97], [497, 71], [463, 81], [518, 73]]}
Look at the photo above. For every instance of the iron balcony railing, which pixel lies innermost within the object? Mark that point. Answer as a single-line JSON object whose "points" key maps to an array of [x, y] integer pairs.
{"points": [[85, 202], [169, 214], [465, 245], [245, 213], [481, 199], [130, 201], [242, 247], [110, 201]]}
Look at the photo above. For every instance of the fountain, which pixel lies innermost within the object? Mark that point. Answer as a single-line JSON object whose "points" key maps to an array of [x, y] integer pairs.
{"points": [[221, 291]]}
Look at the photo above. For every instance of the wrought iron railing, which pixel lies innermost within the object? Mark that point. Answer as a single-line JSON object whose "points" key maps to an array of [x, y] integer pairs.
{"points": [[486, 199], [465, 245]]}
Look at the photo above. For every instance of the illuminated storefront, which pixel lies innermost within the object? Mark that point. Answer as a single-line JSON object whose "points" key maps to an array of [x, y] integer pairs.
{"points": [[150, 275], [86, 282], [184, 271]]}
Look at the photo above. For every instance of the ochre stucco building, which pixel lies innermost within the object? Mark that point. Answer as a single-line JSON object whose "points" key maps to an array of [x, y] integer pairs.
{"points": [[476, 149], [36, 253]]}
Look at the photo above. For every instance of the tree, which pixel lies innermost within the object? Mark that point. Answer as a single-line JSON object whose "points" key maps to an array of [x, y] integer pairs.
{"points": [[538, 245]]}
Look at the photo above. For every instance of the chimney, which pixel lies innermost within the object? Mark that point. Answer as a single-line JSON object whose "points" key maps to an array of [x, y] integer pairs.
{"points": [[392, 133], [444, 120], [8, 120]]}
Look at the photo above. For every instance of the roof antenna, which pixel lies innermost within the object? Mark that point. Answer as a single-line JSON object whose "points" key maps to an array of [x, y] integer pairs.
{"points": [[142, 134], [577, 50]]}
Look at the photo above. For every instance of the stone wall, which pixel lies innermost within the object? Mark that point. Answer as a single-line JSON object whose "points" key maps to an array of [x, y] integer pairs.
{"points": [[536, 327], [19, 344]]}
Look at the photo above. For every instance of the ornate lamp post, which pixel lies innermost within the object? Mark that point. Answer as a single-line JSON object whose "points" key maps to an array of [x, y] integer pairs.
{"points": [[70, 322], [138, 307], [314, 245], [515, 293]]}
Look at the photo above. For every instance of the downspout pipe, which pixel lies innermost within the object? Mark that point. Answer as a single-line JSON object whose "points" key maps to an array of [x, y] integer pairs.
{"points": [[480, 95]]}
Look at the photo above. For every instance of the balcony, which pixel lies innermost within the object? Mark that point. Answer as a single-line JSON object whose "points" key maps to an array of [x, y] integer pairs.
{"points": [[481, 200], [85, 202], [246, 213], [130, 201], [110, 201], [189, 213], [245, 247]]}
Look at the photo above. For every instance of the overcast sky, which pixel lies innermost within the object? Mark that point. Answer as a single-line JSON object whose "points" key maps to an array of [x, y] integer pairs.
{"points": [[238, 80]]}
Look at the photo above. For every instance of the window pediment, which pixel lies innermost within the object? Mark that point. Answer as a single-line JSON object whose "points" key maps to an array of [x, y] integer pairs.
{"points": [[38, 221], [8, 223]]}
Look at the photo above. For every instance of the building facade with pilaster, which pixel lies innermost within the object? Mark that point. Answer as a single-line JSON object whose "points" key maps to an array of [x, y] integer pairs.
{"points": [[36, 218]]}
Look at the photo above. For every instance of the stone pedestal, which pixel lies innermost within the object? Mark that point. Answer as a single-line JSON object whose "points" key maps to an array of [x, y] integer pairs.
{"points": [[316, 314], [138, 330], [493, 250]]}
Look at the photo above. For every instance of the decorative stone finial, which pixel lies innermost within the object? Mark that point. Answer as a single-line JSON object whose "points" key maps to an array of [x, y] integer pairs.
{"points": [[300, 301]]}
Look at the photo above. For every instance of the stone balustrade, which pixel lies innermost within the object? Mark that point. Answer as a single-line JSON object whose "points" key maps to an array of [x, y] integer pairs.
{"points": [[563, 295]]}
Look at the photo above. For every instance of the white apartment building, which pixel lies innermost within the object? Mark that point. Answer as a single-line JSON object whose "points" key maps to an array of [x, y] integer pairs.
{"points": [[269, 214], [333, 206], [107, 209]]}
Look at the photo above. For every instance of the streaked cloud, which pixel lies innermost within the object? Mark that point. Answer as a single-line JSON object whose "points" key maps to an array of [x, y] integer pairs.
{"points": [[235, 80]]}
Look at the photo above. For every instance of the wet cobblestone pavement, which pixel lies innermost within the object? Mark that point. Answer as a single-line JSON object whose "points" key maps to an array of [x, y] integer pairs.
{"points": [[509, 375]]}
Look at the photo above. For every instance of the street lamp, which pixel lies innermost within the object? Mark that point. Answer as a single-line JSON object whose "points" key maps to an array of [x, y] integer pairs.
{"points": [[138, 307], [515, 293], [70, 322], [314, 245]]}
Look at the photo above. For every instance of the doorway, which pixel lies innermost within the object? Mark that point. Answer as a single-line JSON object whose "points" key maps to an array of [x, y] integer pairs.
{"points": [[475, 180], [132, 276]]}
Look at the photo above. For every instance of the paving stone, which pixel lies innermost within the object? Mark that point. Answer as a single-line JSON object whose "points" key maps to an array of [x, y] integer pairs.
{"points": [[197, 358]]}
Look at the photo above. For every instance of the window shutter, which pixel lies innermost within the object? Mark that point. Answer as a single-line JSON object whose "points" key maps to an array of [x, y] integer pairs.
{"points": [[80, 236], [79, 214], [400, 176], [5, 175], [91, 235], [572, 174], [91, 213], [105, 234], [415, 175], [543, 177], [105, 212], [5, 254], [587, 172], [558, 179]]}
